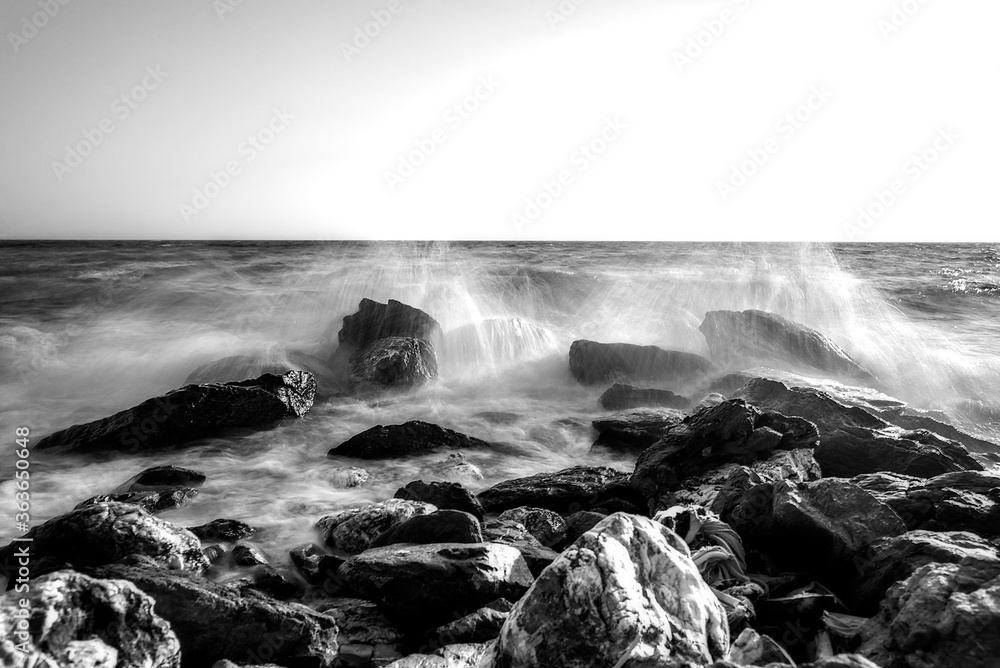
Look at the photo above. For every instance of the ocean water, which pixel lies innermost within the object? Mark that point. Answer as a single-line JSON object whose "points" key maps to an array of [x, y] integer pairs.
{"points": [[90, 328]]}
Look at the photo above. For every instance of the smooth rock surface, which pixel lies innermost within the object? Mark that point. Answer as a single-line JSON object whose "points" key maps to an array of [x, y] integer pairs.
{"points": [[396, 362], [444, 495], [442, 526], [635, 430], [591, 362], [566, 491], [400, 440], [353, 530], [621, 397]]}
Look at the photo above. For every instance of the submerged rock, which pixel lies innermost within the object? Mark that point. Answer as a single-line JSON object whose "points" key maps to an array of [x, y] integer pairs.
{"points": [[635, 430], [222, 530], [160, 478], [566, 491], [350, 477], [395, 362], [444, 495], [400, 440], [190, 413], [353, 530], [591, 362], [621, 397], [152, 501]]}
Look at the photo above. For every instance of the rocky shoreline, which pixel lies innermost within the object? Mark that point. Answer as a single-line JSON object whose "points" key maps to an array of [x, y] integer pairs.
{"points": [[763, 524]]}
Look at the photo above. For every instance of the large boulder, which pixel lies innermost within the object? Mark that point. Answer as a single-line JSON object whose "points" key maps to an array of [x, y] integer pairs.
{"points": [[515, 534], [621, 397], [545, 525], [400, 440], [353, 530], [635, 430], [942, 616], [854, 441], [215, 622], [239, 367], [427, 585], [591, 363], [627, 587], [105, 533], [191, 413], [395, 362], [365, 634], [443, 526], [444, 495], [70, 620], [566, 491], [374, 321], [755, 337]]}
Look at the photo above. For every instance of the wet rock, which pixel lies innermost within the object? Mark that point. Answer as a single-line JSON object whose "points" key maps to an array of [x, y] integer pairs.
{"points": [[444, 495], [81, 622], [841, 661], [247, 555], [548, 527], [214, 622], [442, 526], [267, 580], [452, 656], [508, 532], [753, 337], [393, 363], [160, 478], [240, 367], [592, 363], [350, 477], [400, 440], [915, 422], [152, 501], [108, 532], [710, 400], [566, 491], [580, 523], [635, 430], [753, 649], [629, 578], [456, 467], [942, 616], [313, 564], [480, 626], [497, 417], [222, 530], [215, 553], [191, 413], [367, 637], [353, 530], [427, 585], [621, 397], [374, 321]]}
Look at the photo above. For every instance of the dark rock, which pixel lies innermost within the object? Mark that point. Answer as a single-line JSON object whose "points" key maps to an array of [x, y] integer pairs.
{"points": [[395, 362], [271, 582], [191, 413], [580, 523], [366, 634], [444, 495], [841, 661], [621, 397], [221, 530], [480, 626], [592, 363], [508, 532], [925, 422], [635, 430], [754, 649], [152, 501], [374, 321], [247, 555], [315, 565], [215, 553], [726, 385], [240, 367], [427, 585], [566, 491], [545, 525], [463, 655], [400, 440], [752, 336], [214, 622], [353, 530], [161, 478], [497, 417], [443, 526]]}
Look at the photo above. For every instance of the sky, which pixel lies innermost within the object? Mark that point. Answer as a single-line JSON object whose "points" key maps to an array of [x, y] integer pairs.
{"points": [[860, 120]]}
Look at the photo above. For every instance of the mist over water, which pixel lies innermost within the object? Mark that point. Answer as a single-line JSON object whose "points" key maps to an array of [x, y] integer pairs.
{"points": [[87, 329]]}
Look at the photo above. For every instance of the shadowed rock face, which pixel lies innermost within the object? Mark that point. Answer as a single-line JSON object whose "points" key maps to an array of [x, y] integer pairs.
{"points": [[396, 362], [190, 413], [374, 321], [591, 362], [758, 336], [569, 490], [621, 397], [398, 440], [444, 495], [353, 530]]}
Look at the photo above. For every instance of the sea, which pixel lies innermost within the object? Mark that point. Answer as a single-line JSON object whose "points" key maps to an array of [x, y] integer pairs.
{"points": [[91, 328]]}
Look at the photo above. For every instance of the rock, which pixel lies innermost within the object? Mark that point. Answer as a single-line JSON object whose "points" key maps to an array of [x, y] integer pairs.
{"points": [[80, 622], [247, 555], [481, 626], [891, 560], [916, 422], [350, 477], [942, 616], [456, 467], [592, 363], [841, 661], [374, 321], [629, 578], [215, 553], [820, 527], [854, 441], [754, 337], [152, 501], [710, 400], [548, 527], [635, 430], [444, 495], [108, 532], [214, 622], [509, 532], [580, 523], [353, 530], [190, 413], [753, 649], [394, 362], [221, 530], [367, 637], [400, 440], [452, 656], [161, 478], [313, 564], [566, 491], [497, 417], [620, 397], [442, 526], [428, 585]]}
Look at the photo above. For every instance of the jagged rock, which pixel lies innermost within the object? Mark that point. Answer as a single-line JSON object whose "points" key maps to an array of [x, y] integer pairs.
{"points": [[629, 578], [566, 491], [247, 555], [456, 467], [160, 478], [394, 362], [350, 477], [442, 526], [915, 422], [313, 564], [152, 501], [736, 338], [841, 661], [452, 656], [854, 441], [222, 530], [942, 616], [374, 321], [108, 532], [269, 581], [621, 397], [353, 530], [399, 440], [215, 622], [480, 626], [509, 532], [891, 560], [74, 621], [444, 495], [427, 585], [635, 430], [754, 649], [548, 527], [591, 362], [580, 523], [190, 413], [367, 637]]}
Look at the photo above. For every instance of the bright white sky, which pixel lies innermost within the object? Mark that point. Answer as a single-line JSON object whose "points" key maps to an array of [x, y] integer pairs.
{"points": [[679, 134]]}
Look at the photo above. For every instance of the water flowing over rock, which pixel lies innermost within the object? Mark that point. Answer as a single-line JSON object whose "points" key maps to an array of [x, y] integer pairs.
{"points": [[591, 363], [81, 622], [241, 367], [444, 495], [626, 588], [374, 321], [635, 430], [152, 501], [161, 477], [621, 397], [566, 491], [395, 362], [190, 413], [399, 440], [442, 526], [739, 338], [222, 530], [353, 530]]}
